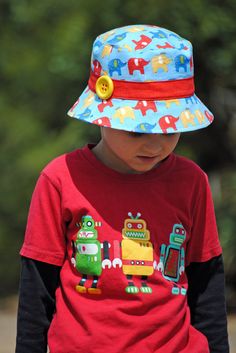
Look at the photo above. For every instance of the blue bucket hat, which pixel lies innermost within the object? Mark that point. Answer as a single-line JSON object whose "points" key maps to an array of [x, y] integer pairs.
{"points": [[142, 80]]}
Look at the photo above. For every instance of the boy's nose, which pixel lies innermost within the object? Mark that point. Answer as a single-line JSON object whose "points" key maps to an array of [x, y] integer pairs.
{"points": [[153, 143], [152, 139]]}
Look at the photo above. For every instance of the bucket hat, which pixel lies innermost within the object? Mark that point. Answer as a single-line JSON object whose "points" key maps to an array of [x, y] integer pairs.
{"points": [[142, 80]]}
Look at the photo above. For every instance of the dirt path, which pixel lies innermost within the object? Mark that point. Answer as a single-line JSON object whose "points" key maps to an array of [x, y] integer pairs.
{"points": [[8, 327], [232, 333]]}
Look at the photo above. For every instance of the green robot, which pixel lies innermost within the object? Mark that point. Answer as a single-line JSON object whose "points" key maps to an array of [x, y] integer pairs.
{"points": [[172, 258], [86, 256]]}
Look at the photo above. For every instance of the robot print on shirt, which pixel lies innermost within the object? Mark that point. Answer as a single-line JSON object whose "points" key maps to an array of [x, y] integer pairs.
{"points": [[137, 253], [172, 258], [87, 255]]}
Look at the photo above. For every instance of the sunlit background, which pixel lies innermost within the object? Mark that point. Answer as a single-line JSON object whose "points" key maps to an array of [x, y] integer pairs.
{"points": [[44, 63]]}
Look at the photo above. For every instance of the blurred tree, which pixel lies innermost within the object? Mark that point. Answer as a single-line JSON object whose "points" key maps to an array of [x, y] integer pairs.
{"points": [[44, 61]]}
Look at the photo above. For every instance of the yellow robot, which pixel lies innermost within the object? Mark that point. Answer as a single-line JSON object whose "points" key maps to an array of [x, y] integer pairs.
{"points": [[137, 253]]}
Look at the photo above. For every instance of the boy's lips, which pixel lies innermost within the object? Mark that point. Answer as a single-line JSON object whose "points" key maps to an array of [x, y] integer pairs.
{"points": [[148, 159]]}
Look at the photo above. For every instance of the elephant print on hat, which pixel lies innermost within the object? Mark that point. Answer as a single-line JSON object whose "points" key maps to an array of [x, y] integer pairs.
{"points": [[187, 118], [144, 106], [124, 112], [167, 122], [115, 65], [160, 62], [137, 64], [182, 62], [97, 67]]}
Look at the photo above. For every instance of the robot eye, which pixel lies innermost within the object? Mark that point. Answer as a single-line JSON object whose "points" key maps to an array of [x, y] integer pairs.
{"points": [[89, 223], [129, 225], [140, 226], [177, 230]]}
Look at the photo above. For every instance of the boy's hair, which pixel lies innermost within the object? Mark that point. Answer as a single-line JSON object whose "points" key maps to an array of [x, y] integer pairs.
{"points": [[142, 80]]}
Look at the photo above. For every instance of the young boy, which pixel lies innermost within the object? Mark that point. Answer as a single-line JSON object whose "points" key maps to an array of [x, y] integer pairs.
{"points": [[121, 252]]}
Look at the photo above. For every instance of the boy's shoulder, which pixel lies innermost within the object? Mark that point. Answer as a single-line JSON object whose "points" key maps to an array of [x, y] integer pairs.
{"points": [[189, 168], [60, 165]]}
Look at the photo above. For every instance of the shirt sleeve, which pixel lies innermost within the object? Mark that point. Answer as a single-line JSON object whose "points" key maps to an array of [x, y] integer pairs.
{"points": [[45, 231], [206, 299], [38, 283], [204, 241]]}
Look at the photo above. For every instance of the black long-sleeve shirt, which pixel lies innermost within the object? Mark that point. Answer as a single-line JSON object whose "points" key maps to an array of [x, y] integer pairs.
{"points": [[39, 281]]}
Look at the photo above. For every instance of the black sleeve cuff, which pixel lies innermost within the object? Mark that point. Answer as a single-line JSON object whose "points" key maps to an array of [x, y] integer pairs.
{"points": [[206, 299], [36, 306]]}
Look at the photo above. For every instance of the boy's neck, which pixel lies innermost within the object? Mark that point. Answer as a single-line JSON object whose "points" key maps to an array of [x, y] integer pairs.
{"points": [[105, 155]]}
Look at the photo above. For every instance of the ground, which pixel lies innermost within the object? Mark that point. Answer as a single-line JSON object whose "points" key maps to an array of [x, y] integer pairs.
{"points": [[8, 310]]}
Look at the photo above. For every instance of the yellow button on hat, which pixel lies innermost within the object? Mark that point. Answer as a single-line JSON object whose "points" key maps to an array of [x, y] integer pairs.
{"points": [[104, 87]]}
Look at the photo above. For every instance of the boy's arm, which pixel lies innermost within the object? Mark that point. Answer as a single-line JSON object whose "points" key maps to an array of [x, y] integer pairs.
{"points": [[38, 284], [206, 299]]}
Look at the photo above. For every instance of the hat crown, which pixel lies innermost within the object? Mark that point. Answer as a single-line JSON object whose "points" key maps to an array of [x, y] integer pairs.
{"points": [[142, 53]]}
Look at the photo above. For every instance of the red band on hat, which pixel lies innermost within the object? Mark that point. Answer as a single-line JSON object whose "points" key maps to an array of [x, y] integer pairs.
{"points": [[161, 90]]}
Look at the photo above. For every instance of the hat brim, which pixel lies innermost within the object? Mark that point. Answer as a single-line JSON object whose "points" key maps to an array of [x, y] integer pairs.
{"points": [[161, 116]]}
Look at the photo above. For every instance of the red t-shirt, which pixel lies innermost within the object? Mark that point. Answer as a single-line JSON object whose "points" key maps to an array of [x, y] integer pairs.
{"points": [[123, 241]]}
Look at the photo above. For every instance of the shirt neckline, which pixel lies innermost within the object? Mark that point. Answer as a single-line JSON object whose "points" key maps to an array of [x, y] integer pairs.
{"points": [[164, 167]]}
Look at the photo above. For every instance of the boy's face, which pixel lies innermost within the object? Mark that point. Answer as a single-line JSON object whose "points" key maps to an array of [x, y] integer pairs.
{"points": [[130, 152]]}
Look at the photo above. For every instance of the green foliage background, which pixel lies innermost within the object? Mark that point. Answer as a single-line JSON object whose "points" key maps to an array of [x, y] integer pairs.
{"points": [[44, 66]]}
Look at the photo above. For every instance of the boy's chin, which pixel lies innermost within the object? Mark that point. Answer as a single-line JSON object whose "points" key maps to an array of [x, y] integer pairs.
{"points": [[142, 169]]}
